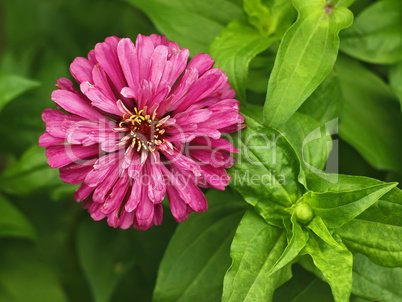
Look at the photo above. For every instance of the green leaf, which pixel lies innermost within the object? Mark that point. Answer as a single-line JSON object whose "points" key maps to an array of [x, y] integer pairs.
{"points": [[310, 140], [30, 174], [192, 24], [233, 50], [106, 256], [26, 277], [298, 240], [374, 282], [337, 208], [381, 242], [270, 17], [324, 182], [29, 126], [255, 249], [197, 257], [376, 35], [395, 80], [382, 222], [12, 86], [266, 171], [335, 263], [370, 281], [306, 55], [13, 223], [371, 117], [320, 229], [324, 103]]}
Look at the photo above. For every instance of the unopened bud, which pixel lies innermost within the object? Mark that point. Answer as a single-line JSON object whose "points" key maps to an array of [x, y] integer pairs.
{"points": [[304, 213]]}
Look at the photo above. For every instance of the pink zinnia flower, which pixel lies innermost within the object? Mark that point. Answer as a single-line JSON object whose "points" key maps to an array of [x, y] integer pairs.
{"points": [[144, 123]]}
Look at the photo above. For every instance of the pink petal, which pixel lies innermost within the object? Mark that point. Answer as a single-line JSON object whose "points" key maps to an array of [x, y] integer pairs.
{"points": [[62, 155], [205, 86], [81, 70], [135, 196], [113, 219], [219, 143], [157, 187], [158, 214], [202, 62], [99, 99], [196, 116], [46, 140], [73, 103], [145, 212], [183, 162], [102, 168], [145, 49], [106, 55], [184, 84], [216, 177], [102, 191], [76, 173], [157, 65], [116, 197], [126, 219], [65, 84], [82, 192], [100, 81], [129, 63], [95, 211], [177, 205], [208, 156]]}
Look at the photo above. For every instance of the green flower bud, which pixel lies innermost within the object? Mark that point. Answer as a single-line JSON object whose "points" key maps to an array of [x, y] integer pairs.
{"points": [[304, 213]]}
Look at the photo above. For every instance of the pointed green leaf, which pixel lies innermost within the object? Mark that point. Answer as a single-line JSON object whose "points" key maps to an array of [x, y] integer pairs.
{"points": [[306, 55], [30, 174], [297, 242], [13, 223], [335, 263], [310, 140], [255, 249], [376, 35], [325, 182], [371, 116], [374, 282], [266, 171], [381, 220], [395, 80], [320, 229], [192, 24], [377, 232], [381, 242], [337, 208], [197, 257], [233, 50], [12, 86], [370, 281]]}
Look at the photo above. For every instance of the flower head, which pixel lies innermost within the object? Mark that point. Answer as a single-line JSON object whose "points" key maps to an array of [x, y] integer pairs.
{"points": [[143, 124]]}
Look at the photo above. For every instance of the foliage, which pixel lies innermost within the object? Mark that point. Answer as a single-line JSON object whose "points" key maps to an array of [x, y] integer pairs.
{"points": [[291, 227]]}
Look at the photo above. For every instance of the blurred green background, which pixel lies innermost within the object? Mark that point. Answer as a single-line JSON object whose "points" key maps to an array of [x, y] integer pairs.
{"points": [[56, 251]]}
